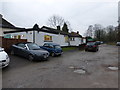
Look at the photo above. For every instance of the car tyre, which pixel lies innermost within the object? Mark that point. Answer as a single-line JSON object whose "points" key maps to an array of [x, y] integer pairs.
{"points": [[86, 50], [52, 54], [96, 50], [30, 57]]}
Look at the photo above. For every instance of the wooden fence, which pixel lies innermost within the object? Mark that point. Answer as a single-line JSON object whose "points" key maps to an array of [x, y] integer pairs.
{"points": [[6, 43]]}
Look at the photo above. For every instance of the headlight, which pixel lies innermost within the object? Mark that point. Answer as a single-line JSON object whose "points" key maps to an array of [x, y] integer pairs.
{"points": [[7, 57]]}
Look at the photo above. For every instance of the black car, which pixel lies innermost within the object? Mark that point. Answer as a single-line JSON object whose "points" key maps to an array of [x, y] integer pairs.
{"points": [[98, 42], [29, 50], [91, 46]]}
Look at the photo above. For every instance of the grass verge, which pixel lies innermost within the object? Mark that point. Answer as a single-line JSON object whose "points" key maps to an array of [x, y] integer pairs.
{"points": [[111, 43], [69, 48]]}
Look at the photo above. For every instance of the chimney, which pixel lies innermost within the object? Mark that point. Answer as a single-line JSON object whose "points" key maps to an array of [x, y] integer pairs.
{"points": [[58, 27], [77, 32]]}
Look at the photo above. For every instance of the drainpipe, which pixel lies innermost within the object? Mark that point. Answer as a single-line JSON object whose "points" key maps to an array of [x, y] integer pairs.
{"points": [[33, 36]]}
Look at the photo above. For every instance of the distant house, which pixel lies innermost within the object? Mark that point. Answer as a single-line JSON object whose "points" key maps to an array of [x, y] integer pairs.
{"points": [[6, 26], [47, 34], [75, 39]]}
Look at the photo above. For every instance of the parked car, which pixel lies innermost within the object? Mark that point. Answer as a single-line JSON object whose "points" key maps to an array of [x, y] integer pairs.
{"points": [[102, 42], [91, 46], [53, 48], [29, 50], [118, 43], [4, 58], [98, 42]]}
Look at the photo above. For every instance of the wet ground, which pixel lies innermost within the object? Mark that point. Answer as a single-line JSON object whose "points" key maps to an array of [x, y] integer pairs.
{"points": [[75, 69]]}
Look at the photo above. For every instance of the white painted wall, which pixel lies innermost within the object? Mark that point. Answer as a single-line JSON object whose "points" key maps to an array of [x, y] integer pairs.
{"points": [[39, 38], [76, 42], [1, 32], [56, 38], [26, 35], [84, 41]]}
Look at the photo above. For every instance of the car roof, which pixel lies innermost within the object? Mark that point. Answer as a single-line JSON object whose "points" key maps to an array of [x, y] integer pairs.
{"points": [[51, 43], [23, 42]]}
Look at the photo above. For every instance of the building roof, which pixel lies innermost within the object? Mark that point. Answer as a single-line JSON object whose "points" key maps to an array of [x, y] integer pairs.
{"points": [[52, 30], [47, 30], [74, 34], [5, 24]]}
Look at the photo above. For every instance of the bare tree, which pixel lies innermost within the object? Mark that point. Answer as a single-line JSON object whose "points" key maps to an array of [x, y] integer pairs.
{"points": [[98, 31], [89, 32], [55, 21]]}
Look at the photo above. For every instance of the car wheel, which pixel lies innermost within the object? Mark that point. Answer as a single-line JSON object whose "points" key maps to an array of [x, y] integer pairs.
{"points": [[96, 50], [52, 54], [31, 58], [86, 50], [12, 52]]}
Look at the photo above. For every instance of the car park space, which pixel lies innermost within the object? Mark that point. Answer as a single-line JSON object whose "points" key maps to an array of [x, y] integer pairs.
{"points": [[65, 71]]}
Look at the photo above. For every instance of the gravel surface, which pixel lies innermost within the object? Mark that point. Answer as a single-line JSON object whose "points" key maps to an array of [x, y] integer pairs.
{"points": [[59, 72]]}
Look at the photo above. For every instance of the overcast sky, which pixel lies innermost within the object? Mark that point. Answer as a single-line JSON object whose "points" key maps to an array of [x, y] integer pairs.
{"points": [[80, 13]]}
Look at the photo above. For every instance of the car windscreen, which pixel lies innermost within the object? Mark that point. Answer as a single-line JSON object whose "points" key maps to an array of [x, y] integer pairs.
{"points": [[57, 46], [92, 43], [33, 46]]}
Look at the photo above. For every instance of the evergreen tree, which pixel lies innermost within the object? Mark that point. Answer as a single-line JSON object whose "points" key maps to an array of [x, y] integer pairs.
{"points": [[65, 28]]}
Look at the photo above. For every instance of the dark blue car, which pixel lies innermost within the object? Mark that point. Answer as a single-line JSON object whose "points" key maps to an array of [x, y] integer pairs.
{"points": [[53, 48]]}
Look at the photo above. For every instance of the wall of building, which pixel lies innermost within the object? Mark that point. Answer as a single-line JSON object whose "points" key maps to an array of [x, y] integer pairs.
{"points": [[1, 32], [40, 38], [56, 38], [76, 41]]}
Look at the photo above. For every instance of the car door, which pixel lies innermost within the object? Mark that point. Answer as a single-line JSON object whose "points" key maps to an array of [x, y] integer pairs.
{"points": [[46, 47], [22, 49]]}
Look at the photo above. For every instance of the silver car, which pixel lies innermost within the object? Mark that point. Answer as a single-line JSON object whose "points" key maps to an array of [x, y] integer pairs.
{"points": [[118, 43]]}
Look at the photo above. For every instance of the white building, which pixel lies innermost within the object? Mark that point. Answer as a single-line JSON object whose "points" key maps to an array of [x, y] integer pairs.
{"points": [[46, 34]]}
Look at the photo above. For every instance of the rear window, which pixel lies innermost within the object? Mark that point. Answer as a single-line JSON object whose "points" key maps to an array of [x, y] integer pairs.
{"points": [[91, 43]]}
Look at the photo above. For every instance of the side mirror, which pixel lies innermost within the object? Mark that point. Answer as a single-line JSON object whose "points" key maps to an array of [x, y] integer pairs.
{"points": [[25, 48]]}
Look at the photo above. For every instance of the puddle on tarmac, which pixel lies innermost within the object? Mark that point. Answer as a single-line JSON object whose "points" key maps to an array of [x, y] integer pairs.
{"points": [[71, 67], [80, 71], [113, 68]]}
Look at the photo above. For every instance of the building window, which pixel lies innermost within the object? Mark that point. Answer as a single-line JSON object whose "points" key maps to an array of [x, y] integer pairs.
{"points": [[47, 38], [72, 39]]}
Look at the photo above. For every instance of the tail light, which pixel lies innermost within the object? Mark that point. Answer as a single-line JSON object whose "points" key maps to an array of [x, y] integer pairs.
{"points": [[94, 46]]}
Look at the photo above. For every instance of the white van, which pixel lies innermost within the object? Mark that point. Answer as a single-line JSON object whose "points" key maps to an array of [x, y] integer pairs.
{"points": [[4, 58]]}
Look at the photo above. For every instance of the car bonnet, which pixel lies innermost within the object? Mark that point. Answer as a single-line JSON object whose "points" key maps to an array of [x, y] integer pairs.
{"points": [[3, 55]]}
